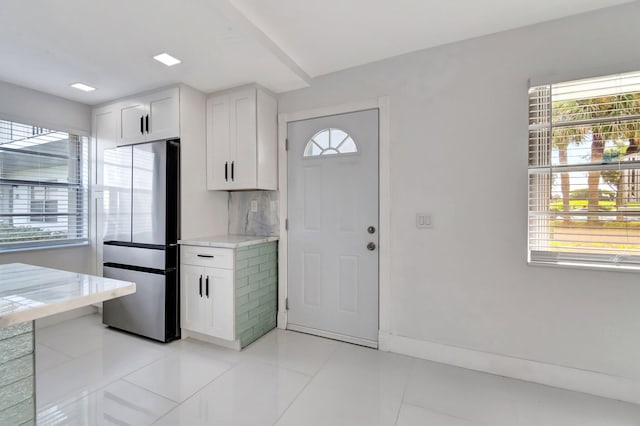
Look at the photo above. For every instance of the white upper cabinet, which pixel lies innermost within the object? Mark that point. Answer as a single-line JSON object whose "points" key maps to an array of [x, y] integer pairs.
{"points": [[242, 141], [151, 117]]}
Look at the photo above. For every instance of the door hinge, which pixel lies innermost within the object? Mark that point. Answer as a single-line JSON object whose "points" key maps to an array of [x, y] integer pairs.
{"points": [[286, 303], [286, 224], [286, 144]]}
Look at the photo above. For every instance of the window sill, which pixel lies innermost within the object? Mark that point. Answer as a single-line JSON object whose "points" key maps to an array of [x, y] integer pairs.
{"points": [[43, 247], [585, 267]]}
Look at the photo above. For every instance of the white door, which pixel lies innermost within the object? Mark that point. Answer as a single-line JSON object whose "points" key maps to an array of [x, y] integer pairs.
{"points": [[333, 226]]}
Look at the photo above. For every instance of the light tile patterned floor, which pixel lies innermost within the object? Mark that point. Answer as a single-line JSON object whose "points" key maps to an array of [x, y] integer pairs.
{"points": [[92, 375]]}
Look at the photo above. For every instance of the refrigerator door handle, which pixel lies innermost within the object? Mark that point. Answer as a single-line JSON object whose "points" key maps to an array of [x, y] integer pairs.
{"points": [[200, 286]]}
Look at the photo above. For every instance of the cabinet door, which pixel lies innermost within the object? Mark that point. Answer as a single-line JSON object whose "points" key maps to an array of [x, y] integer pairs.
{"points": [[219, 295], [243, 139], [192, 304], [218, 139], [132, 114], [164, 115]]}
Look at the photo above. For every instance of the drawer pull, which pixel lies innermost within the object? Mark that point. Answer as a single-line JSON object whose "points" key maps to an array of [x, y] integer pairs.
{"points": [[206, 255]]}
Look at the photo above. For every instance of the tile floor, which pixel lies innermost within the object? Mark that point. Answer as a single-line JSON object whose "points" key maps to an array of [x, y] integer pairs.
{"points": [[92, 375]]}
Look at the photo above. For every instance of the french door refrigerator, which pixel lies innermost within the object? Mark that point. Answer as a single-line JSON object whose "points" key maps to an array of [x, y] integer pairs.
{"points": [[141, 231]]}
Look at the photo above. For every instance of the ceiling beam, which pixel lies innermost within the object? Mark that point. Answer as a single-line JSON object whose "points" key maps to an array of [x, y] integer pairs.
{"points": [[246, 25]]}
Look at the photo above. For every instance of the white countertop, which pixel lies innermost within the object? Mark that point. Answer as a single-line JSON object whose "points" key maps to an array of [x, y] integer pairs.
{"points": [[30, 292], [227, 241]]}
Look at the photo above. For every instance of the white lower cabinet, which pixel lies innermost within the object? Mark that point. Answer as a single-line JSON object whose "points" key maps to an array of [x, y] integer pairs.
{"points": [[207, 294], [228, 296]]}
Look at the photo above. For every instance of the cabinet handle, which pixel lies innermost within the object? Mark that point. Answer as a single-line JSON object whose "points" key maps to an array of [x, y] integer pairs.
{"points": [[226, 171], [232, 177], [200, 286], [142, 125], [207, 288], [205, 255], [147, 123]]}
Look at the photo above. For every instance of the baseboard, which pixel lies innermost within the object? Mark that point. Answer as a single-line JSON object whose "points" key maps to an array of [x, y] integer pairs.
{"points": [[591, 382], [65, 316], [282, 320]]}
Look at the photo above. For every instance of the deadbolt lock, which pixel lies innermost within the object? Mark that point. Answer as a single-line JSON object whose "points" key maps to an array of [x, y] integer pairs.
{"points": [[371, 229]]}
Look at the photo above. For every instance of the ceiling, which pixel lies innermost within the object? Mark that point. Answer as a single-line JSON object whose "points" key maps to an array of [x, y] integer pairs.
{"points": [[47, 45], [330, 35]]}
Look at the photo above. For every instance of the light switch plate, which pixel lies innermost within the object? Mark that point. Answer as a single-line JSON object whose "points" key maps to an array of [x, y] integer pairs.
{"points": [[423, 221], [254, 206]]}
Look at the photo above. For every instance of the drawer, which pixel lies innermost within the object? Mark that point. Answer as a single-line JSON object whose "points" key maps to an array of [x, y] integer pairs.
{"points": [[211, 257]]}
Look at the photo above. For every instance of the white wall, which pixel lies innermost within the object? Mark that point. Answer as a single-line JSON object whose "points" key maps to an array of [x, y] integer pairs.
{"points": [[33, 107], [459, 151]]}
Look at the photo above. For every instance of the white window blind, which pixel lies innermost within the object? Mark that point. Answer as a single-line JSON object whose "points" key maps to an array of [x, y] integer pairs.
{"points": [[43, 187], [584, 172]]}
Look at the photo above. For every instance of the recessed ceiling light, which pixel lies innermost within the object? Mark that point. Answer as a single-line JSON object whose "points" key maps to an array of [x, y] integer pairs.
{"points": [[83, 87], [167, 59]]}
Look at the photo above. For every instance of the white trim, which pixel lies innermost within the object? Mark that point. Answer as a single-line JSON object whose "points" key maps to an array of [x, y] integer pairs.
{"points": [[334, 336], [282, 243], [591, 382], [384, 199]]}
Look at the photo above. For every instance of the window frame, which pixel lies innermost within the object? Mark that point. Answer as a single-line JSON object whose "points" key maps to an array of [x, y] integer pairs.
{"points": [[540, 163], [83, 172]]}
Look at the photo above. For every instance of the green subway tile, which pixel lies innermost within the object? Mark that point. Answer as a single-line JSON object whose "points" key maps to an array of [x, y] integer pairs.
{"points": [[268, 282], [21, 413], [267, 266], [242, 317], [242, 264], [248, 271], [241, 300], [241, 282], [254, 286], [16, 347], [248, 254], [269, 298], [268, 248], [242, 291], [247, 307], [257, 260], [16, 369], [14, 330], [16, 392], [258, 276]]}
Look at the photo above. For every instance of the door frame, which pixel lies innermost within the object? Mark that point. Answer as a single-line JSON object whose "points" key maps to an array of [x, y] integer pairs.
{"points": [[384, 204]]}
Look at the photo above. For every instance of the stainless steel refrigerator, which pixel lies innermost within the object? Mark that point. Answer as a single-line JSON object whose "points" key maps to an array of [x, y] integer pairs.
{"points": [[141, 231]]}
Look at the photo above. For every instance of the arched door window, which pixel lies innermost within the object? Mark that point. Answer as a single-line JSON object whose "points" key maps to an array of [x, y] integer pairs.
{"points": [[330, 141]]}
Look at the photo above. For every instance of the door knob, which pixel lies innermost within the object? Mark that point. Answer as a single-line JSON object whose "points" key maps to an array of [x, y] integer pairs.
{"points": [[371, 229], [371, 246]]}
